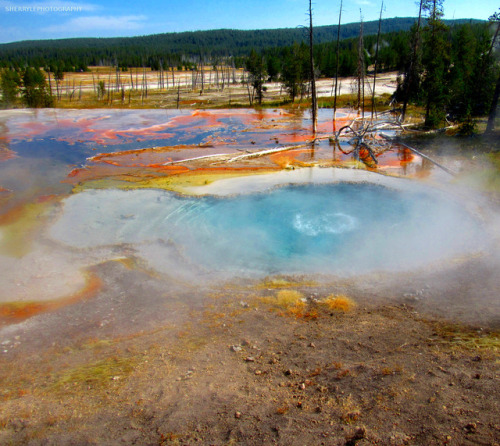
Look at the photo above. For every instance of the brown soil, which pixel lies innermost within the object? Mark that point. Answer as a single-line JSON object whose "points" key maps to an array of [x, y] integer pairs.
{"points": [[246, 363]]}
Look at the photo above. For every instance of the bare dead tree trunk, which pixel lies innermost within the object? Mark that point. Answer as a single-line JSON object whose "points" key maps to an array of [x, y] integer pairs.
{"points": [[376, 59], [117, 80], [337, 67], [202, 76], [490, 127], [314, 106], [109, 87], [361, 69], [50, 83], [410, 75]]}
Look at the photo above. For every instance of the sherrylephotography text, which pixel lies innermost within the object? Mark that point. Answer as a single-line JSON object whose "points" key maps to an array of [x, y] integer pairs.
{"points": [[43, 9]]}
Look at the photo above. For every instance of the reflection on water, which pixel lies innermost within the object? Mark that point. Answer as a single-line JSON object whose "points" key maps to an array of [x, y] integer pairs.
{"points": [[338, 228]]}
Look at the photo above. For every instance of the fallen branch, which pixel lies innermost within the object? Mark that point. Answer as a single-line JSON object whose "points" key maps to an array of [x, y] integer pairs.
{"points": [[217, 155], [267, 152], [388, 138]]}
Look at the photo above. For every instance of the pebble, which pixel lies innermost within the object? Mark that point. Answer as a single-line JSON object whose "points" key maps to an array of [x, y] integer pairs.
{"points": [[250, 359], [235, 348], [258, 372], [237, 414], [471, 427]]}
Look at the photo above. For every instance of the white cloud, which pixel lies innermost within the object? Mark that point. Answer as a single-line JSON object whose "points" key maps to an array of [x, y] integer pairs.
{"points": [[100, 23], [364, 3]]}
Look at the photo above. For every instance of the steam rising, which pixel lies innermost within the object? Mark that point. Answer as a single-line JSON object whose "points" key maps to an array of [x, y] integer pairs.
{"points": [[341, 228]]}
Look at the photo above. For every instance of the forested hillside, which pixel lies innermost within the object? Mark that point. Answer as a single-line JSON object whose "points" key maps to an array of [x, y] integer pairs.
{"points": [[173, 49]]}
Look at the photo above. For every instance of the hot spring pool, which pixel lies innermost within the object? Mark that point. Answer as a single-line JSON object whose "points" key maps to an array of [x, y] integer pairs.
{"points": [[340, 228]]}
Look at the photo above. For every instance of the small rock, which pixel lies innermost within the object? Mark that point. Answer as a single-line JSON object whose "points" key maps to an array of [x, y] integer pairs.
{"points": [[477, 358], [250, 359], [235, 348], [244, 304], [237, 414], [477, 376], [258, 372], [299, 404], [302, 386], [288, 372], [471, 428], [358, 435], [312, 345]]}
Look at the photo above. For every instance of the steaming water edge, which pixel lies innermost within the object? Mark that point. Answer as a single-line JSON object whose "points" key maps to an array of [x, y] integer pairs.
{"points": [[340, 228]]}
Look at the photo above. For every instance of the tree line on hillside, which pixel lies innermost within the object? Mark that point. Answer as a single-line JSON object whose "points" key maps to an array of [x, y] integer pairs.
{"points": [[449, 70], [175, 49], [453, 69]]}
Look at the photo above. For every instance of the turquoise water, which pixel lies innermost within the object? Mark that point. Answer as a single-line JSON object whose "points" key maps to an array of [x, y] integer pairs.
{"points": [[341, 228]]}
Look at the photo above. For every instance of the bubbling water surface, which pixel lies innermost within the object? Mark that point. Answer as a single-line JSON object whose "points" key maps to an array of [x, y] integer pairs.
{"points": [[339, 228]]}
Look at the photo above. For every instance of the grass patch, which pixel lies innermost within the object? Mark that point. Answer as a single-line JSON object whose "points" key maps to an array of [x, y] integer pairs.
{"points": [[339, 303], [289, 298], [465, 338], [97, 375], [292, 301], [349, 410], [279, 282]]}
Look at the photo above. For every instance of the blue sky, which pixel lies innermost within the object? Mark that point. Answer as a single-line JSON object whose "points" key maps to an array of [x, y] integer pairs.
{"points": [[53, 19]]}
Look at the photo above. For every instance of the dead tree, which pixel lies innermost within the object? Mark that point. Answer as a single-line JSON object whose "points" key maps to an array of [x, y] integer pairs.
{"points": [[411, 74], [376, 59], [490, 127], [337, 66], [314, 106], [361, 69]]}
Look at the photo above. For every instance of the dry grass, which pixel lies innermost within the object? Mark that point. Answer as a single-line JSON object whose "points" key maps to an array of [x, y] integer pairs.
{"points": [[289, 298], [465, 338], [339, 303], [278, 282], [349, 410], [98, 374], [291, 301]]}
